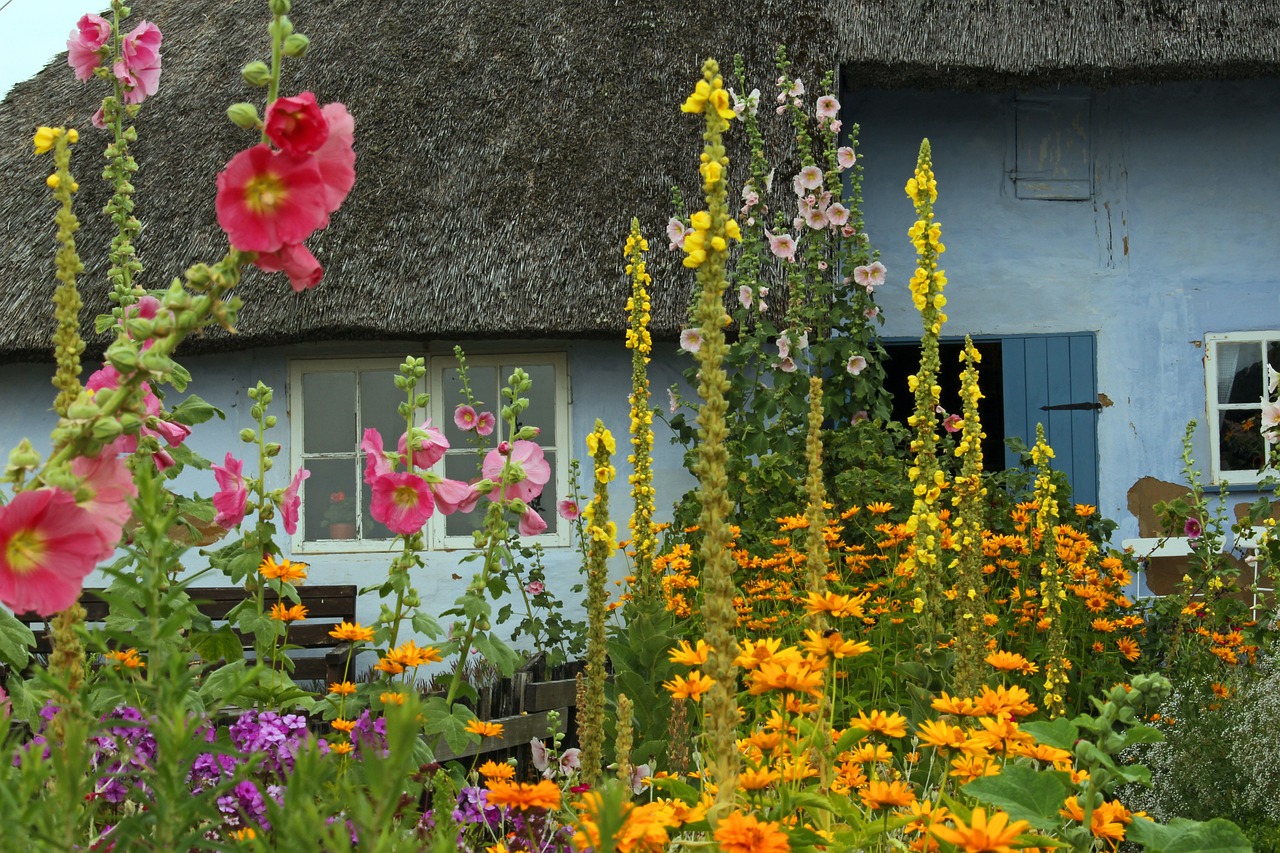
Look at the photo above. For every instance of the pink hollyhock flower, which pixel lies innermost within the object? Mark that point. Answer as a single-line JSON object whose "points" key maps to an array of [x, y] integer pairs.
{"points": [[870, 276], [815, 217], [267, 199], [531, 524], [952, 423], [47, 547], [464, 418], [296, 261], [745, 296], [291, 501], [860, 416], [428, 448], [173, 433], [691, 340], [1192, 529], [784, 345], [106, 485], [676, 232], [871, 313], [337, 157], [827, 107], [535, 587], [402, 502], [837, 214], [845, 157], [787, 365], [376, 463], [810, 177], [530, 472], [232, 495], [673, 401], [138, 68], [569, 510], [454, 496], [99, 119], [541, 757], [855, 365], [84, 47], [485, 423], [296, 124], [782, 246]]}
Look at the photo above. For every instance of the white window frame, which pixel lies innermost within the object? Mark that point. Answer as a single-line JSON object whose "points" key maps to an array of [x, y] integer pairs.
{"points": [[434, 531], [1214, 409]]}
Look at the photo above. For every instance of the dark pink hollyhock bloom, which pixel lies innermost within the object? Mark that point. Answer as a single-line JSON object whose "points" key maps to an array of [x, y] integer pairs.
{"points": [[531, 524], [138, 68], [296, 125], [485, 423], [1192, 529], [428, 450], [47, 546], [291, 502], [531, 472], [464, 418], [297, 262], [376, 463], [85, 45], [454, 496], [337, 156], [402, 502], [267, 199], [106, 485], [232, 495]]}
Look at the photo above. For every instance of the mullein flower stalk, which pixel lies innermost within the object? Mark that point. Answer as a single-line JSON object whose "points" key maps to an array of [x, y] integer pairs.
{"points": [[1052, 592], [816, 554], [707, 251], [604, 539], [67, 343], [926, 476], [626, 736], [640, 342], [969, 503]]}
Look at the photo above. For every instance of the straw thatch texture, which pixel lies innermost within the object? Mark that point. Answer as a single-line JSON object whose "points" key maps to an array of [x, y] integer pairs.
{"points": [[503, 147]]}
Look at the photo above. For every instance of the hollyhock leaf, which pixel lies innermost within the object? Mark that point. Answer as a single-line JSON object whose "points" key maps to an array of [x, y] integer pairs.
{"points": [[195, 410], [16, 640]]}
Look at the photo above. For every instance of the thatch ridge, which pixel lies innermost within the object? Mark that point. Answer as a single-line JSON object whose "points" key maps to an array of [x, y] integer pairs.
{"points": [[503, 147]]}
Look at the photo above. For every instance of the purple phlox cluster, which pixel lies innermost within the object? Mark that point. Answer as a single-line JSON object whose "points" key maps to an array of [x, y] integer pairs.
{"points": [[246, 806], [274, 737], [122, 753], [473, 807], [368, 733]]}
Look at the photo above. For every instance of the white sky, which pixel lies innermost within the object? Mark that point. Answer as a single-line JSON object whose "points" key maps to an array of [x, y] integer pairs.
{"points": [[33, 31]]}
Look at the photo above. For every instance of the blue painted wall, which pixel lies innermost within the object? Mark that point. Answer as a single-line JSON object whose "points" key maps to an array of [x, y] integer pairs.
{"points": [[1178, 240]]}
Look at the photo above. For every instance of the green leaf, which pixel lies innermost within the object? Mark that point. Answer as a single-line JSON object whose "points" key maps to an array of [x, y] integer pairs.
{"points": [[497, 653], [680, 790], [440, 719], [16, 641], [425, 624], [1060, 733], [194, 410], [1026, 794], [1189, 836], [1141, 734], [213, 646]]}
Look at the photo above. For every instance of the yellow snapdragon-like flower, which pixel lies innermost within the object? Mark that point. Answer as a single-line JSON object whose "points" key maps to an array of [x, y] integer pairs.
{"points": [[45, 138]]}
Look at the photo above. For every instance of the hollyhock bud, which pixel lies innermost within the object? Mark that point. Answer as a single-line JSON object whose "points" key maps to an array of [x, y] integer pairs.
{"points": [[296, 45], [504, 448], [244, 115], [256, 74]]}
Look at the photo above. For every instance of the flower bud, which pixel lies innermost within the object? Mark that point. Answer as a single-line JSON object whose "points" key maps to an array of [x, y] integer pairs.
{"points": [[504, 448], [247, 436], [123, 357], [52, 181], [24, 456], [273, 450], [256, 73], [271, 421], [244, 115], [280, 28], [130, 423], [280, 7], [107, 429], [526, 433], [140, 329], [296, 45]]}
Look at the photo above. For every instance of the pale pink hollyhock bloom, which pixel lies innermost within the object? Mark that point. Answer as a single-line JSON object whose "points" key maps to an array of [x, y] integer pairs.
{"points": [[870, 276], [750, 198], [810, 177], [787, 365], [337, 157], [570, 761], [428, 448], [847, 231], [464, 418], [535, 587], [673, 401], [837, 214], [784, 345], [86, 42], [802, 342], [99, 119], [541, 757], [797, 89], [296, 125], [376, 463], [1273, 379], [454, 496], [531, 524], [106, 485], [569, 510], [1270, 420], [676, 233], [764, 291], [834, 125], [530, 468], [47, 546], [267, 199], [782, 246], [232, 495], [402, 501], [296, 261], [763, 306], [485, 422], [291, 501], [639, 774], [745, 297], [827, 107], [845, 157], [138, 68], [691, 340], [855, 365], [860, 416], [815, 218], [871, 313]]}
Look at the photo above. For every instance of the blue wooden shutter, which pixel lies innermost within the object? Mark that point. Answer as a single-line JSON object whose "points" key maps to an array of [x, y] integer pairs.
{"points": [[1051, 379]]}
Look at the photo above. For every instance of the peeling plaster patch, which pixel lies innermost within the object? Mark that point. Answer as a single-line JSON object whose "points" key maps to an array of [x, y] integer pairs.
{"points": [[1105, 401]]}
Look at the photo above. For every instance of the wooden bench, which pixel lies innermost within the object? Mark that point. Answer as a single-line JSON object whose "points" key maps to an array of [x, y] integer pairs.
{"points": [[326, 607]]}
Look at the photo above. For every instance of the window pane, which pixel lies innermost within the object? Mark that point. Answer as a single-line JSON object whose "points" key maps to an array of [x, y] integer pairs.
{"points": [[1240, 440], [542, 402], [484, 387], [329, 499], [1239, 372], [379, 400], [329, 419], [463, 466]]}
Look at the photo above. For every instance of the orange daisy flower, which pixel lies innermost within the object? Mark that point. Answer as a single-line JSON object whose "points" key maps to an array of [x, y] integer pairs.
{"points": [[523, 796], [286, 570], [981, 835], [479, 727], [739, 833]]}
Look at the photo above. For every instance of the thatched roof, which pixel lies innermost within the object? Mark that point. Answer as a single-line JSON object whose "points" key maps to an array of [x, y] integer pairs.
{"points": [[503, 147]]}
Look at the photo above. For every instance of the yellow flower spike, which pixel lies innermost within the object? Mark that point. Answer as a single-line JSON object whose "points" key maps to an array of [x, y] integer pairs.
{"points": [[44, 139], [73, 136], [697, 102], [700, 221], [52, 181], [720, 100], [732, 230]]}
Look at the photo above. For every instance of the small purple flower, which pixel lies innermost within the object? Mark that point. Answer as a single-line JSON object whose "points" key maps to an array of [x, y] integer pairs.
{"points": [[1192, 529]]}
